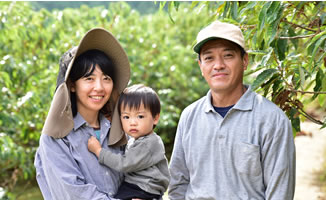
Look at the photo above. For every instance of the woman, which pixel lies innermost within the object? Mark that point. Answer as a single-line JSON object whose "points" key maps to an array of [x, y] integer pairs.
{"points": [[82, 105]]}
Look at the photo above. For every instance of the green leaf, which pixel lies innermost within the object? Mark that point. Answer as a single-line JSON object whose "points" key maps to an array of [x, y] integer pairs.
{"points": [[262, 77], [226, 9], [194, 4], [311, 46], [295, 121], [324, 125], [322, 100], [171, 5], [302, 77], [291, 34], [281, 48], [256, 52], [176, 5], [262, 15], [162, 5], [248, 6], [266, 58], [318, 44], [234, 10], [318, 84], [6, 79], [277, 86], [322, 97], [272, 11]]}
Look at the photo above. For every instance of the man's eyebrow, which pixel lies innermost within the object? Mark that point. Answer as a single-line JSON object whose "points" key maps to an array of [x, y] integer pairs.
{"points": [[206, 51], [229, 49]]}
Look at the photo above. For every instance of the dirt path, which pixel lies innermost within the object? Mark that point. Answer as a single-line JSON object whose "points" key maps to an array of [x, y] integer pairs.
{"points": [[310, 156]]}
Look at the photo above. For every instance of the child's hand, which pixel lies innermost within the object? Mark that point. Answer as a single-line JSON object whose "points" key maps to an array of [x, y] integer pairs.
{"points": [[94, 146]]}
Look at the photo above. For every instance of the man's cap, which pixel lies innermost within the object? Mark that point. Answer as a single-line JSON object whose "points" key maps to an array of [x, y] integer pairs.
{"points": [[220, 30], [59, 121]]}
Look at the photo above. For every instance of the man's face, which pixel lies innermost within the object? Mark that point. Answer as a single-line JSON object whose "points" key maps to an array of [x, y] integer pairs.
{"points": [[222, 66]]}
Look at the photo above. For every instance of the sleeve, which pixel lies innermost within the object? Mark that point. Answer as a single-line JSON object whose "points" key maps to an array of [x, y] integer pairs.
{"points": [[140, 156], [178, 168], [278, 162], [58, 174]]}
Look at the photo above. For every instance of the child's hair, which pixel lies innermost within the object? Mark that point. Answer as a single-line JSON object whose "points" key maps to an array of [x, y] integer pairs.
{"points": [[84, 65], [135, 95]]}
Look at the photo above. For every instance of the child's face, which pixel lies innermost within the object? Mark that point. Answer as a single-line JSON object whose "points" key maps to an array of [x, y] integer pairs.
{"points": [[92, 92], [137, 123]]}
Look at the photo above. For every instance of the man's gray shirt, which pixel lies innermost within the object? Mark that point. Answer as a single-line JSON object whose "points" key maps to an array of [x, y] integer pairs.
{"points": [[249, 154], [65, 169]]}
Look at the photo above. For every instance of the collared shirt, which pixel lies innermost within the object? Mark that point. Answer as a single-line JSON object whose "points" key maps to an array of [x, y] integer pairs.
{"points": [[248, 154], [65, 169]]}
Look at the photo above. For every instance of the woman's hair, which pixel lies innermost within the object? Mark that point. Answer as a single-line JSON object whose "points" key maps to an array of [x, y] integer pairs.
{"points": [[84, 65], [138, 94]]}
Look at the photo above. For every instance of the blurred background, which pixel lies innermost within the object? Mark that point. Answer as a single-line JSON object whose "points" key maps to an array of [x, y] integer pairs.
{"points": [[285, 40]]}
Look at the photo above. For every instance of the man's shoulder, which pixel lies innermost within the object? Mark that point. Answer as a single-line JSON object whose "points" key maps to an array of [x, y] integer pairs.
{"points": [[198, 104], [264, 105]]}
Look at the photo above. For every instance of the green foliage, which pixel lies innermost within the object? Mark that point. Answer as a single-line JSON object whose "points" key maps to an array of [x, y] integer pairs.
{"points": [[286, 45]]}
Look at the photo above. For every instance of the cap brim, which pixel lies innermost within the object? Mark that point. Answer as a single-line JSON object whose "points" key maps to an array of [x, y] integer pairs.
{"points": [[198, 46]]}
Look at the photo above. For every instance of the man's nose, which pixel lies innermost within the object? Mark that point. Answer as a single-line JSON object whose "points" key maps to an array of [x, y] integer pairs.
{"points": [[219, 63]]}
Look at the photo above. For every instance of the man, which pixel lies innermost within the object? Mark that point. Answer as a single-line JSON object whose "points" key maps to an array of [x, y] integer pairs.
{"points": [[231, 143]]}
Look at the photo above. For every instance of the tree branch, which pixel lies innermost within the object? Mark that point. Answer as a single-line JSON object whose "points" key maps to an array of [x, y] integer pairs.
{"points": [[297, 37], [297, 25], [306, 92], [310, 117]]}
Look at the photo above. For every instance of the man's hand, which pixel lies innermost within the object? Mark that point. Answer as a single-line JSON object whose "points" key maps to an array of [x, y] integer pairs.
{"points": [[94, 146]]}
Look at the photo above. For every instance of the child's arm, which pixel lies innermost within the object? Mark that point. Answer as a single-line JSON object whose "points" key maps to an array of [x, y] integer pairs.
{"points": [[94, 146]]}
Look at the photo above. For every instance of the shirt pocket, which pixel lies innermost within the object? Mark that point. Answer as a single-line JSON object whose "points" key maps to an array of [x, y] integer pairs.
{"points": [[247, 159]]}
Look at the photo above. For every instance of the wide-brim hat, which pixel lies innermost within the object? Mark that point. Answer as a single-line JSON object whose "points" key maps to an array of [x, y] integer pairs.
{"points": [[219, 30], [59, 121]]}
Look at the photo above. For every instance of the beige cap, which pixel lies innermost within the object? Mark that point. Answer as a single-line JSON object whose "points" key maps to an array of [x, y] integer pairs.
{"points": [[221, 30], [59, 121]]}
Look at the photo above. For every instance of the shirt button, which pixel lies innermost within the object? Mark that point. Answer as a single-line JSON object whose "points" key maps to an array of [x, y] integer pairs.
{"points": [[107, 173], [221, 136]]}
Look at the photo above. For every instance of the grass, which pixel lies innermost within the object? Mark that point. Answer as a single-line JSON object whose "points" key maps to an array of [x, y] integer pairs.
{"points": [[29, 190]]}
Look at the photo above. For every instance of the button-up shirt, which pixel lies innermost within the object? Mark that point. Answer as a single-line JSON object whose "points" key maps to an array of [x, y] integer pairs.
{"points": [[65, 169], [248, 154]]}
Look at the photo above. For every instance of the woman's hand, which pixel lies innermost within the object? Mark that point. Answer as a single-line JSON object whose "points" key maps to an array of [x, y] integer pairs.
{"points": [[94, 146]]}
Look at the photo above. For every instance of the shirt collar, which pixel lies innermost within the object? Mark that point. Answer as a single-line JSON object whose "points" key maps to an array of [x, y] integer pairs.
{"points": [[244, 103], [80, 121]]}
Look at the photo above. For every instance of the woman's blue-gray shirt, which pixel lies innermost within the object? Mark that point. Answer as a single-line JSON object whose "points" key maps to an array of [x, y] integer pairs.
{"points": [[65, 169]]}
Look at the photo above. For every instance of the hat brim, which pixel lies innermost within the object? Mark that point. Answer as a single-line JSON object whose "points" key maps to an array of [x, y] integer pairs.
{"points": [[101, 39], [59, 121]]}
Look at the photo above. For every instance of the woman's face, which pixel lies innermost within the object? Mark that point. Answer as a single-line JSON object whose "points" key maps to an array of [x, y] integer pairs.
{"points": [[92, 92]]}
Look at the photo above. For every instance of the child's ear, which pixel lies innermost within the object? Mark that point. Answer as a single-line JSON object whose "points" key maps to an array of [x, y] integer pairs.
{"points": [[156, 118]]}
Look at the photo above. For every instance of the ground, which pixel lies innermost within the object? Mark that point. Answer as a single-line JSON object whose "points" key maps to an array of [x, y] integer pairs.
{"points": [[310, 151]]}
